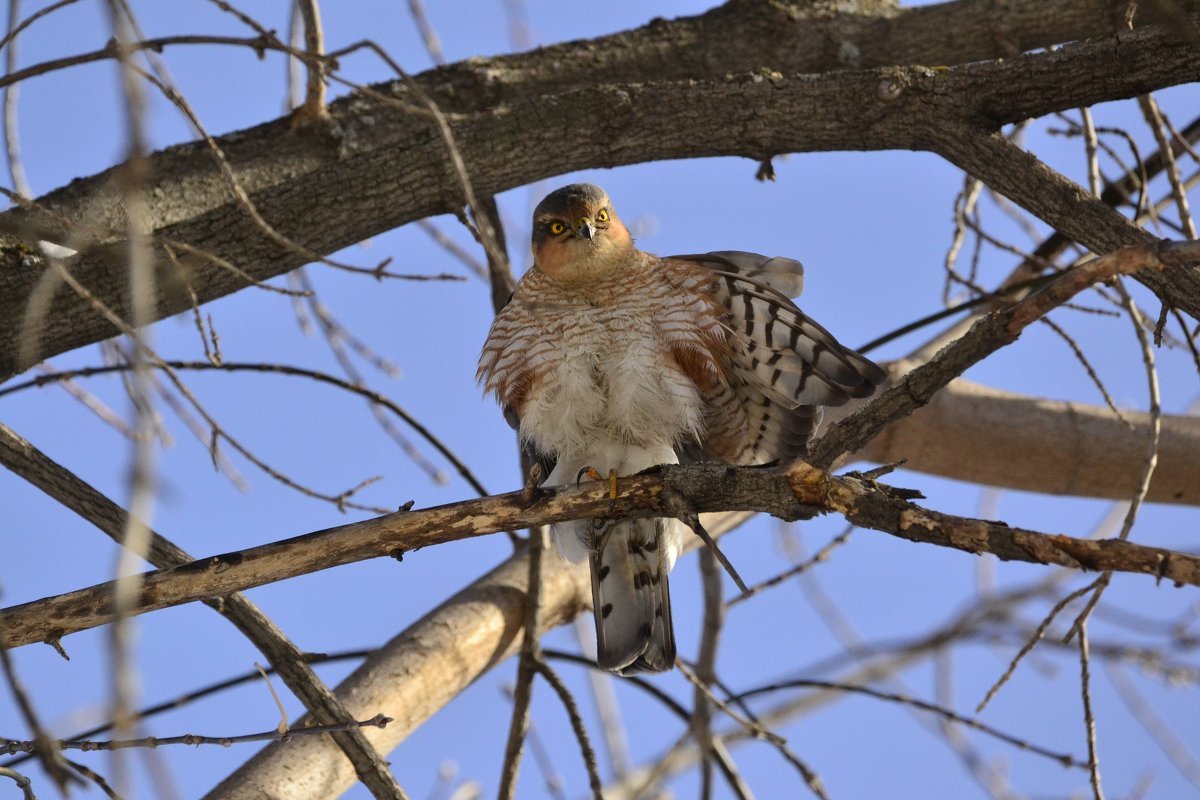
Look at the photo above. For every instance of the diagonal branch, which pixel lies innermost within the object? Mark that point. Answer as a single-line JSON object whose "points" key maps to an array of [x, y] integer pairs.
{"points": [[988, 335], [25, 460]]}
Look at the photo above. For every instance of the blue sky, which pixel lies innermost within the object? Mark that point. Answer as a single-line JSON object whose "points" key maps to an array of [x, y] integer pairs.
{"points": [[872, 230]]}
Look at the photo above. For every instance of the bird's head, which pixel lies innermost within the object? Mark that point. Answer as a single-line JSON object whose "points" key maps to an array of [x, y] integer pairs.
{"points": [[576, 233]]}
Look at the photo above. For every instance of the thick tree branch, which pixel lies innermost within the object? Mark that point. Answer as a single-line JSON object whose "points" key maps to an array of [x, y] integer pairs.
{"points": [[1064, 204], [986, 336], [22, 458], [801, 493], [387, 165], [967, 432], [416, 674]]}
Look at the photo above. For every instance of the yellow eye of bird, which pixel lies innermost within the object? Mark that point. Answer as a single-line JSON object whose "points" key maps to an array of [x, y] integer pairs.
{"points": [[557, 227], [602, 215]]}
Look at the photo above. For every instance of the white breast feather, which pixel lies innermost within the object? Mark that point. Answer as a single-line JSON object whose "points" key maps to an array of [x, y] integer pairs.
{"points": [[607, 389]]}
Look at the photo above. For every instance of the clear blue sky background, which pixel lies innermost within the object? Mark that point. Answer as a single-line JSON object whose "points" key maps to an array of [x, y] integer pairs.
{"points": [[872, 230]]}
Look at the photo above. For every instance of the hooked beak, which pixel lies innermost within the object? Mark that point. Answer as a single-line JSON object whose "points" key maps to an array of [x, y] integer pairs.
{"points": [[586, 229]]}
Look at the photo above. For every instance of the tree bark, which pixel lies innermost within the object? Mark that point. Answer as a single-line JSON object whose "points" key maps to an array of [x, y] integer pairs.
{"points": [[991, 437], [379, 164]]}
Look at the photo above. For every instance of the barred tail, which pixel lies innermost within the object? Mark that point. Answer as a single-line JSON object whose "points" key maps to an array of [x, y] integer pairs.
{"points": [[631, 598]]}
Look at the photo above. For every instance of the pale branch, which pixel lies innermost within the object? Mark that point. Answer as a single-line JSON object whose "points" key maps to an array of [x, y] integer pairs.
{"points": [[988, 335], [1060, 447], [438, 657], [11, 746], [415, 674], [389, 166], [799, 493], [23, 783], [25, 460]]}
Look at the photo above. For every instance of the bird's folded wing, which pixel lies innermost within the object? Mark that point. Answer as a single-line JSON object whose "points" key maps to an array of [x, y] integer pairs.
{"points": [[781, 365]]}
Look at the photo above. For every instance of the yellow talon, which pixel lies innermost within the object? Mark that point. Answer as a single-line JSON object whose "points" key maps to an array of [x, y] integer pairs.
{"points": [[591, 473]]}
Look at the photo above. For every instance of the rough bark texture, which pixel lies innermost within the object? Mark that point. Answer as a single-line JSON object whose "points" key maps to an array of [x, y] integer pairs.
{"points": [[377, 164], [668, 491]]}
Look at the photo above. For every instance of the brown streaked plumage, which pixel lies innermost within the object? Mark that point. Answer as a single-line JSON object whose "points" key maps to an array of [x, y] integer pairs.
{"points": [[611, 358]]}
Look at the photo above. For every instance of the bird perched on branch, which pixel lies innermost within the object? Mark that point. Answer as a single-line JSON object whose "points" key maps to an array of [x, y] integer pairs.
{"points": [[612, 361]]}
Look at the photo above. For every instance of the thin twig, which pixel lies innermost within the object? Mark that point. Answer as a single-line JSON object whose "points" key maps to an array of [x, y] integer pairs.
{"points": [[1154, 118], [1032, 642], [581, 734], [251, 210], [94, 777], [11, 746], [964, 204], [1091, 371], [817, 558], [342, 500], [90, 401], [23, 783], [1065, 759], [452, 247], [1093, 160], [12, 137], [32, 18], [1149, 463], [282, 369], [690, 518], [314, 108], [755, 730], [44, 747], [1089, 720], [706, 659], [485, 227], [187, 698], [527, 666]]}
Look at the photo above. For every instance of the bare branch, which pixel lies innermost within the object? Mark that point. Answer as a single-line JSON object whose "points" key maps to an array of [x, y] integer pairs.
{"points": [[932, 107], [314, 109], [1063, 758], [46, 749], [1089, 721], [581, 736], [987, 336], [527, 666], [22, 782], [11, 746], [27, 461], [799, 492]]}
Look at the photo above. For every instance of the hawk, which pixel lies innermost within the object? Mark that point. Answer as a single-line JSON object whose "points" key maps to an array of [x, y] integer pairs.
{"points": [[608, 359]]}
